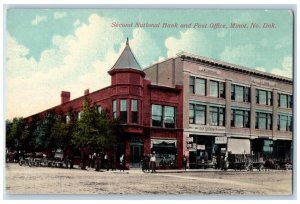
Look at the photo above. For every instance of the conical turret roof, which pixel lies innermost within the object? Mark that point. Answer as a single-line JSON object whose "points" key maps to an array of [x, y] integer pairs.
{"points": [[126, 60]]}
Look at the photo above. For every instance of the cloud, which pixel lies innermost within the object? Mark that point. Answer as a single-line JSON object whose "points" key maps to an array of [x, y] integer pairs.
{"points": [[146, 55], [59, 15], [72, 63], [261, 69], [188, 41], [38, 19], [76, 23], [286, 68], [241, 55]]}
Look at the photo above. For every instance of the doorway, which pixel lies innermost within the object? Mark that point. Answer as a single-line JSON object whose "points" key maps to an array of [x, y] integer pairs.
{"points": [[136, 153]]}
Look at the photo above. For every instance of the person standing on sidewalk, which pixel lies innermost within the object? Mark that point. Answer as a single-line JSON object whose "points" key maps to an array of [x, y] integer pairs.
{"points": [[184, 162], [153, 162], [122, 162], [106, 161]]}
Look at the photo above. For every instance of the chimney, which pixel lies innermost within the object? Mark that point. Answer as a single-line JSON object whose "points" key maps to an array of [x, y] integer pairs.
{"points": [[86, 92], [65, 96]]}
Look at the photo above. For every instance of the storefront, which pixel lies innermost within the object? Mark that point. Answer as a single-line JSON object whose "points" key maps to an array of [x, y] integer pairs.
{"points": [[238, 146], [164, 148]]}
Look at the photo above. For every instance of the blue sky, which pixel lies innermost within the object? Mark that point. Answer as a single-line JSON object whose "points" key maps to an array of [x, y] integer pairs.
{"points": [[50, 50]]}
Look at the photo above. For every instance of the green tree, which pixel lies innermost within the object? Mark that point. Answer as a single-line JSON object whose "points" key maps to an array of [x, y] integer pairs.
{"points": [[14, 133], [94, 131], [43, 131]]}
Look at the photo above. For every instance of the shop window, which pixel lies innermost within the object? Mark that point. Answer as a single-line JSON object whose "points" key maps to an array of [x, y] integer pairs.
{"points": [[134, 111], [217, 89], [240, 118], [217, 116], [197, 114], [240, 93], [263, 97], [163, 116], [115, 109], [263, 121], [123, 111]]}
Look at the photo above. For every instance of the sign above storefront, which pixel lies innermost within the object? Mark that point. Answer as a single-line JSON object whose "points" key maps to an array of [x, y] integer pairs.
{"points": [[202, 128], [200, 147], [220, 140]]}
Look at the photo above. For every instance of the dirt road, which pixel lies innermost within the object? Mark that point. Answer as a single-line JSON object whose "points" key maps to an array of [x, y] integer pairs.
{"points": [[44, 180]]}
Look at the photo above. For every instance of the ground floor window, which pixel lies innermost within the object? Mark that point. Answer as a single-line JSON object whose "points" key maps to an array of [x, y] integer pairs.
{"points": [[164, 149]]}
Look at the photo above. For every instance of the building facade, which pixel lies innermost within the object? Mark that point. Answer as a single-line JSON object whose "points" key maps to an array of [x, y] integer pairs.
{"points": [[229, 108], [150, 114]]}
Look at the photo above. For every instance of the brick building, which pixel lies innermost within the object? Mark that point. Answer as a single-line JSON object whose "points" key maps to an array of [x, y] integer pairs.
{"points": [[151, 114], [227, 107]]}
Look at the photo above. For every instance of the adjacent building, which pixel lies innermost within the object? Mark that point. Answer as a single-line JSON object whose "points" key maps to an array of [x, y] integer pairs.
{"points": [[229, 108]]}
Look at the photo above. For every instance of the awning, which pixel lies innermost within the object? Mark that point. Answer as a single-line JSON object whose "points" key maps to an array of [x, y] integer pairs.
{"points": [[239, 146], [163, 141]]}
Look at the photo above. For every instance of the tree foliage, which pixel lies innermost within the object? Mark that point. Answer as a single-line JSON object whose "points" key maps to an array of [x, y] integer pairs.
{"points": [[94, 129]]}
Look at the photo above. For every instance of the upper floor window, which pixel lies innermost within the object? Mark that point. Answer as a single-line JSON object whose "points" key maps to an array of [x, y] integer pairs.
{"points": [[99, 109], [240, 118], [163, 116], [217, 116], [285, 101], [264, 97], [134, 111], [198, 86], [197, 114], [240, 93], [263, 121], [285, 123], [114, 109], [123, 110], [217, 89]]}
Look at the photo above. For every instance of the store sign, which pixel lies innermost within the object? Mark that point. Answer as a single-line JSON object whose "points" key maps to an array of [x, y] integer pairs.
{"points": [[209, 71], [220, 140], [200, 147], [190, 139], [213, 129]]}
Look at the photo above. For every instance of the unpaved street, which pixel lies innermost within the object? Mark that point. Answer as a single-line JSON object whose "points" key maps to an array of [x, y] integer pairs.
{"points": [[46, 180]]}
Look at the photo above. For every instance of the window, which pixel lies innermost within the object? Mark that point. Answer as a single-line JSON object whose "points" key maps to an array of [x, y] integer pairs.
{"points": [[163, 116], [217, 116], [114, 109], [99, 109], [284, 123], [169, 117], [197, 114], [198, 86], [217, 89], [285, 101], [240, 93], [157, 115], [123, 111], [134, 111], [192, 85], [240, 118], [263, 121], [263, 97]]}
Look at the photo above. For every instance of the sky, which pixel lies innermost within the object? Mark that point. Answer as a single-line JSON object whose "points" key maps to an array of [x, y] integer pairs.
{"points": [[53, 50]]}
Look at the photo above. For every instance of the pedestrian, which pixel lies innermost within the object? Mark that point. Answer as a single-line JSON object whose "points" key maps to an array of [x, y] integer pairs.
{"points": [[153, 163], [184, 162], [122, 162], [98, 162], [106, 161]]}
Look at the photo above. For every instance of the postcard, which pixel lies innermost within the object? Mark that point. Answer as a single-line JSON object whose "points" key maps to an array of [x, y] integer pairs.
{"points": [[107, 101]]}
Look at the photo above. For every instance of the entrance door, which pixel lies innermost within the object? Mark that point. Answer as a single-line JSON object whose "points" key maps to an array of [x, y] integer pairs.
{"points": [[136, 152]]}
